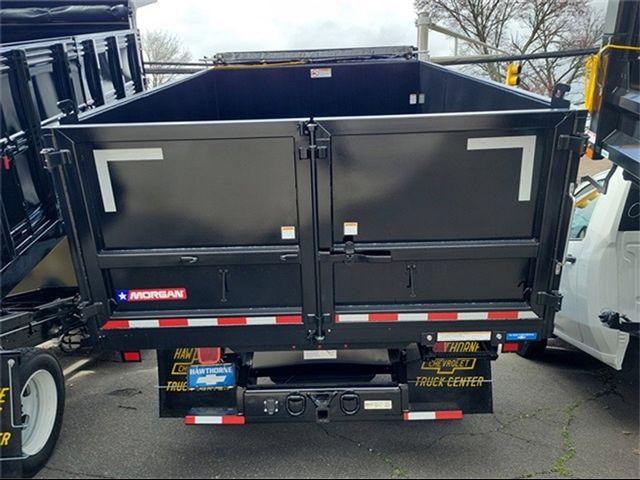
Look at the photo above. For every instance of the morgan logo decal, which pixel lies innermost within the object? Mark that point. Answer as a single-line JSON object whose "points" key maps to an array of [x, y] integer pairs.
{"points": [[152, 295]]}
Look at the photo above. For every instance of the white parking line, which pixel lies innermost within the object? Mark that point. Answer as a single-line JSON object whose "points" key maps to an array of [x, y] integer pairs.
{"points": [[74, 367]]}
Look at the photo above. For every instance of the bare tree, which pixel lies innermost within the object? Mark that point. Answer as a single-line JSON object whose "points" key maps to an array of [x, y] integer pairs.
{"points": [[484, 20], [551, 26], [523, 26], [163, 46]]}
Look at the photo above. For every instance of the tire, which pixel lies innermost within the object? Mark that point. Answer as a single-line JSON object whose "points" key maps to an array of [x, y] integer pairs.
{"points": [[533, 350], [42, 403]]}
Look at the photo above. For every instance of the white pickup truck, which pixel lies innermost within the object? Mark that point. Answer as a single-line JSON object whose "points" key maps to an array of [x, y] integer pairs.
{"points": [[601, 279]]}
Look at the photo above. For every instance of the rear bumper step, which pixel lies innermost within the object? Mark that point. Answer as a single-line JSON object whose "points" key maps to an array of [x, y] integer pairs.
{"points": [[382, 403]]}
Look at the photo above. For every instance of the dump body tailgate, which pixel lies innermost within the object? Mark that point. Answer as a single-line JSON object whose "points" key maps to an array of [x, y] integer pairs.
{"points": [[363, 231]]}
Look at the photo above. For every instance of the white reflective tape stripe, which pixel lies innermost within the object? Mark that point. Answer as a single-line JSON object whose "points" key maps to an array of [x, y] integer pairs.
{"points": [[102, 159], [412, 317], [464, 336], [528, 145], [423, 317], [207, 420], [473, 315], [144, 324], [358, 318], [470, 316], [205, 322], [411, 416], [202, 322], [262, 321], [353, 318]]}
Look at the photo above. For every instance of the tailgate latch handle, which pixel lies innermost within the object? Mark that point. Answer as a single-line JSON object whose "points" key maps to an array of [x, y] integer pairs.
{"points": [[289, 257], [411, 269], [369, 257], [189, 260]]}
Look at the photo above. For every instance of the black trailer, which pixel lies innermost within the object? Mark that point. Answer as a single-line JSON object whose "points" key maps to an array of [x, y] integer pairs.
{"points": [[327, 241], [94, 61]]}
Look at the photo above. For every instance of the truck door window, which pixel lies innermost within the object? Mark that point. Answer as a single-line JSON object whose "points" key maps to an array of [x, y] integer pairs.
{"points": [[630, 221], [585, 205]]}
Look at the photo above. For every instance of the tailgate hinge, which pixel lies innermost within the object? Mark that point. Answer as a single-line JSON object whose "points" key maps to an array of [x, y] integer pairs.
{"points": [[550, 299], [312, 151], [305, 153], [56, 158], [574, 143]]}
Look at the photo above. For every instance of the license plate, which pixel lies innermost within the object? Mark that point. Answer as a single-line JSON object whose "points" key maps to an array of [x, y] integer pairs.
{"points": [[214, 376]]}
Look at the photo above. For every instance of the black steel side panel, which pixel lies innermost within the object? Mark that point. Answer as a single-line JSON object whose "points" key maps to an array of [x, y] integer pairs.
{"points": [[449, 91], [353, 89], [397, 87]]}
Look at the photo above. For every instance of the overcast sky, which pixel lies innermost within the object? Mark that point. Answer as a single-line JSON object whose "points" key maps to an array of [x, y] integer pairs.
{"points": [[210, 26]]}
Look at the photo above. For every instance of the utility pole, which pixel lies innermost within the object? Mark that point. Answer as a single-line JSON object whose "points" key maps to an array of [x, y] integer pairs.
{"points": [[423, 23]]}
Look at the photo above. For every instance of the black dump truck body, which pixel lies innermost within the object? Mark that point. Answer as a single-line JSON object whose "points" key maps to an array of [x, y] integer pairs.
{"points": [[384, 204], [44, 83]]}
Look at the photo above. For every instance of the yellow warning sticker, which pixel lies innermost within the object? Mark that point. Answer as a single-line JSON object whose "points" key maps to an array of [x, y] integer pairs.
{"points": [[350, 229], [288, 233]]}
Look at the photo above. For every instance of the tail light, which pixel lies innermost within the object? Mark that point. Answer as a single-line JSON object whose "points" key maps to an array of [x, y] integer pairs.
{"points": [[209, 356]]}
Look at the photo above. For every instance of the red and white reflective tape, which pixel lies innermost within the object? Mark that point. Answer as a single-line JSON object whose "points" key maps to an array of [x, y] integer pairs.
{"points": [[442, 415], [202, 322], [212, 420], [435, 316]]}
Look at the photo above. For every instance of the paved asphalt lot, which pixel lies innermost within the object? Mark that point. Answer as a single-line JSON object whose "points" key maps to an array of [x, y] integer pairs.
{"points": [[566, 416]]}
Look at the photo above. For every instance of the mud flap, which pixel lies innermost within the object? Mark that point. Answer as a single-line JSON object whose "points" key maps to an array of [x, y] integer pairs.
{"points": [[450, 383], [176, 399]]}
